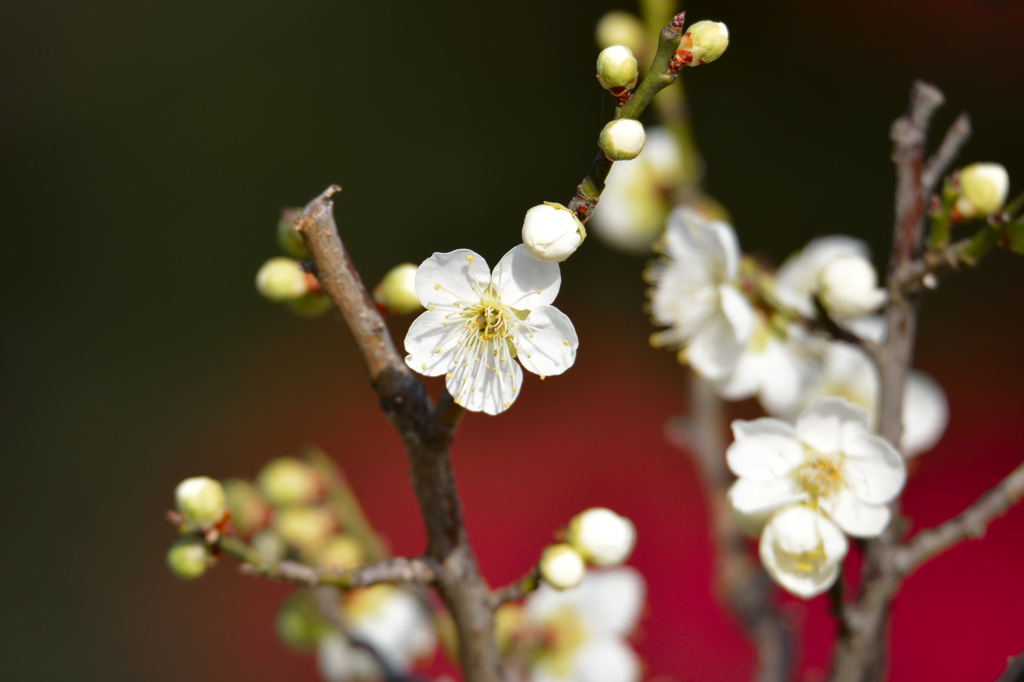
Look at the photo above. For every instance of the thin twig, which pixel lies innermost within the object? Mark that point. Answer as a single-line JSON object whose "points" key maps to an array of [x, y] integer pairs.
{"points": [[939, 162], [970, 523], [517, 590], [425, 431]]}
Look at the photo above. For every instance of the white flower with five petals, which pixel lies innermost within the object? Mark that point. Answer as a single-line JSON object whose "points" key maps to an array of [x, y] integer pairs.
{"points": [[478, 323], [828, 459], [695, 294]]}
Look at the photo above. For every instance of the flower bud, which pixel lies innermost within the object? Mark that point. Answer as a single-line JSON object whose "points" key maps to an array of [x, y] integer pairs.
{"points": [[341, 552], [603, 537], [397, 291], [299, 624], [622, 140], [305, 528], [248, 510], [269, 545], [561, 566], [705, 41], [551, 232], [288, 238], [200, 500], [983, 189], [282, 279], [287, 481], [188, 558], [312, 305], [616, 68], [847, 287], [621, 28]]}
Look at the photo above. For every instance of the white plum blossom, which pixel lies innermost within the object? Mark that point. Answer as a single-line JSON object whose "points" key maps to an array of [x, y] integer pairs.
{"points": [[798, 279], [632, 210], [828, 459], [695, 294], [802, 550], [390, 619], [478, 323], [601, 536], [847, 372], [584, 630], [848, 287]]}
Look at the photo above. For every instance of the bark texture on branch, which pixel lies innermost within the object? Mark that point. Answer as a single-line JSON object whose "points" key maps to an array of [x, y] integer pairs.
{"points": [[426, 432]]}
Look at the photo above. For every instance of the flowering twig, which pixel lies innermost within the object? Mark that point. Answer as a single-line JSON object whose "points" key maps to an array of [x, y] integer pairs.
{"points": [[657, 79], [426, 432], [517, 590], [970, 523], [742, 585]]}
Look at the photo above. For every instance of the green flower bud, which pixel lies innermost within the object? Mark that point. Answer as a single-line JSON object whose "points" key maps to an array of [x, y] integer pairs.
{"points": [[288, 481], [188, 558], [616, 68], [983, 189], [248, 510], [622, 140], [561, 566], [299, 624], [304, 528], [282, 279], [311, 306], [341, 552], [621, 28], [397, 291], [706, 41], [200, 501], [288, 237], [269, 545]]}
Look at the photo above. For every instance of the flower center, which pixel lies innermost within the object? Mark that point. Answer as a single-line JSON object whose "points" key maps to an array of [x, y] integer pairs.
{"points": [[489, 318], [820, 475], [563, 632]]}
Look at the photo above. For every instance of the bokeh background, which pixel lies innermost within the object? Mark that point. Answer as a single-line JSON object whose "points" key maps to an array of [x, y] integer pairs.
{"points": [[146, 149]]}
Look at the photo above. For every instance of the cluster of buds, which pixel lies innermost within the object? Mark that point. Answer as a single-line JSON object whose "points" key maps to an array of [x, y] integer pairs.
{"points": [[705, 42], [598, 537], [617, 72], [202, 515], [288, 279]]}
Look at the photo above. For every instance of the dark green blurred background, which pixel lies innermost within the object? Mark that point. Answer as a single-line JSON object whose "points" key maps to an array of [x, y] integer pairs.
{"points": [[146, 148]]}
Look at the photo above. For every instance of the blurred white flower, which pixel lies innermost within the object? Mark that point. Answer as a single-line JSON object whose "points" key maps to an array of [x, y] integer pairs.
{"points": [[583, 630], [601, 536], [802, 550], [829, 459], [392, 621], [797, 280], [983, 189], [848, 287], [561, 566], [633, 206], [695, 294], [477, 322]]}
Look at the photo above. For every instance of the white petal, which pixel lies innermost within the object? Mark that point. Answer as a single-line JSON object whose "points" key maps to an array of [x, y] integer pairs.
{"points": [[523, 282], [857, 518], [399, 629], [797, 279], [745, 379], [925, 414], [716, 348], [828, 422], [546, 341], [605, 659], [802, 550], [447, 277], [484, 381], [763, 449], [610, 600], [785, 376], [750, 497], [873, 468], [428, 334], [339, 661]]}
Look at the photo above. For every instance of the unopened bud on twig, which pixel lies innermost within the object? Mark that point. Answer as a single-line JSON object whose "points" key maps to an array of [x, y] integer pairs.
{"points": [[617, 68], [282, 279], [341, 552], [603, 537], [621, 28], [551, 232], [188, 558], [200, 501], [397, 291], [312, 305], [561, 566], [288, 237], [703, 43], [305, 528], [287, 481], [299, 624], [248, 510], [622, 140], [983, 190], [847, 287]]}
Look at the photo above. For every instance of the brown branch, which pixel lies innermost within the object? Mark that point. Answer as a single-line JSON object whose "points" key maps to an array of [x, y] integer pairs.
{"points": [[425, 431], [517, 590], [939, 162], [970, 523], [742, 585]]}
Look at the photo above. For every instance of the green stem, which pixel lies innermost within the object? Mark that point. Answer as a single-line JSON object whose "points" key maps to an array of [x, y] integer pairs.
{"points": [[657, 79]]}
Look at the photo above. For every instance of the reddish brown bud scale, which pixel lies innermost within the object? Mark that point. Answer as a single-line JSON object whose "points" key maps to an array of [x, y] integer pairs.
{"points": [[677, 22]]}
